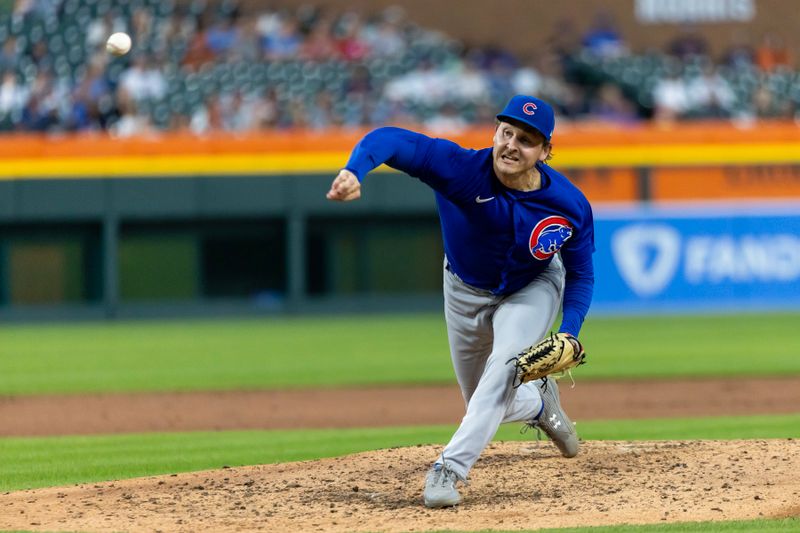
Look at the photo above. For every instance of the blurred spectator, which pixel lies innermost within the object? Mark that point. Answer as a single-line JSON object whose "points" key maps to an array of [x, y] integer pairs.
{"points": [[202, 66], [178, 122], [174, 32], [92, 100], [603, 39], [431, 86], [348, 38], [500, 77], [36, 116], [612, 106], [208, 117], [141, 27], [283, 41], [100, 92], [447, 121], [222, 37], [265, 111], [570, 100], [670, 97], [688, 43], [422, 83], [238, 112], [198, 52], [99, 29], [526, 80], [131, 122], [321, 114], [319, 45], [466, 82], [24, 7], [248, 47], [13, 95], [268, 22], [51, 94], [40, 57], [296, 113], [82, 115], [9, 58], [740, 54], [772, 53], [764, 104], [144, 80], [485, 57], [359, 82], [710, 95], [384, 37]]}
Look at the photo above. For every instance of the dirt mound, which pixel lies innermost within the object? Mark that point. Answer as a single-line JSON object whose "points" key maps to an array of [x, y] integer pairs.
{"points": [[513, 486]]}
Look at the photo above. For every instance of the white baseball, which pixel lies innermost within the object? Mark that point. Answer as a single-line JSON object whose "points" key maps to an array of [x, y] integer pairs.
{"points": [[118, 44]]}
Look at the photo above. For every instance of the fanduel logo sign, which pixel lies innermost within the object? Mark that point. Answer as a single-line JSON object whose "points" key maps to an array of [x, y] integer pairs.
{"points": [[744, 259], [648, 257]]}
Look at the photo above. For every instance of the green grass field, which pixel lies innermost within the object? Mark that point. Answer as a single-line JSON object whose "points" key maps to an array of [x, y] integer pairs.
{"points": [[51, 461], [750, 526], [274, 352]]}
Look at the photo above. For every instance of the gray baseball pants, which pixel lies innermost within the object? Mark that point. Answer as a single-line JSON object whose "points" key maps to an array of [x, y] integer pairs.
{"points": [[484, 332]]}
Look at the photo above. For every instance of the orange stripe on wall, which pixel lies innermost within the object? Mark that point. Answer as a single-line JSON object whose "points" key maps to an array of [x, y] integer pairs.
{"points": [[606, 184], [739, 182], [298, 141]]}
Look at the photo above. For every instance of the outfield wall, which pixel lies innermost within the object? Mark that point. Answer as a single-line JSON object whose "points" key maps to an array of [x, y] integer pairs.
{"points": [[98, 227]]}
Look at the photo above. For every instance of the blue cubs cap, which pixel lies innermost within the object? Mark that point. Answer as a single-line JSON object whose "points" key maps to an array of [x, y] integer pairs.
{"points": [[532, 112]]}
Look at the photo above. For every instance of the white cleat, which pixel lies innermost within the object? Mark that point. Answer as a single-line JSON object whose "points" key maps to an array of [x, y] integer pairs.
{"points": [[440, 487], [554, 421]]}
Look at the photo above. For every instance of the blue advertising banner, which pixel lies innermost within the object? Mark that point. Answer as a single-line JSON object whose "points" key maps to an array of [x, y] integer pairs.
{"points": [[697, 258]]}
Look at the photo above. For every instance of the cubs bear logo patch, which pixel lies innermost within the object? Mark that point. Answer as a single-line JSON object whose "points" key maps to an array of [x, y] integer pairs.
{"points": [[548, 236]]}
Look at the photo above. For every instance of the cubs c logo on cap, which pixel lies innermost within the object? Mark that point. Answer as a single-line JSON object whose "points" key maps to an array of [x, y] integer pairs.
{"points": [[548, 236], [529, 108]]}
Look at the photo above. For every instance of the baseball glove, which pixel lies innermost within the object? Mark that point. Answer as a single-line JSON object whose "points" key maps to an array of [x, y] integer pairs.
{"points": [[556, 353]]}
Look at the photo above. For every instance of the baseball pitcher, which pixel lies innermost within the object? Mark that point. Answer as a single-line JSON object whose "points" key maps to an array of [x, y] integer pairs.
{"points": [[518, 242]]}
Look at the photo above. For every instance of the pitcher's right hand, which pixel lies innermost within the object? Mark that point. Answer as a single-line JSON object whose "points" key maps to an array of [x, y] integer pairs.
{"points": [[345, 187]]}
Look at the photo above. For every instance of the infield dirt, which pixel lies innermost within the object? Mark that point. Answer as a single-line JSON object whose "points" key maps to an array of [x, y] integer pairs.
{"points": [[375, 407], [515, 485]]}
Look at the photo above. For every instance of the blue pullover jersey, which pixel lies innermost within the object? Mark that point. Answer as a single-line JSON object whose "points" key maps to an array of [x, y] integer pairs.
{"points": [[495, 238]]}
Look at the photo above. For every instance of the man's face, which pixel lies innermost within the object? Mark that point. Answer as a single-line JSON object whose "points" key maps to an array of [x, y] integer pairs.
{"points": [[516, 150]]}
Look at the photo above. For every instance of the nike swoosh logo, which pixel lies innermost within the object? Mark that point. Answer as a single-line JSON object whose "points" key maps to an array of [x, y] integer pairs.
{"points": [[479, 200]]}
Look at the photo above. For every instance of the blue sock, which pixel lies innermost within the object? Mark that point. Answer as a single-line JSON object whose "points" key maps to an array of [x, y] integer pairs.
{"points": [[540, 411]]}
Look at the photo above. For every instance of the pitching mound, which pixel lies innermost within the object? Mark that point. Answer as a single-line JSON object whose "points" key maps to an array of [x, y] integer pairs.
{"points": [[513, 486]]}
